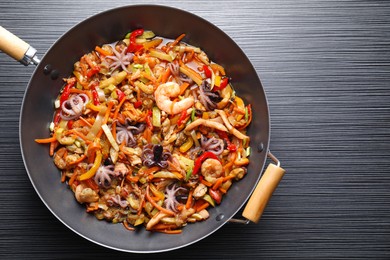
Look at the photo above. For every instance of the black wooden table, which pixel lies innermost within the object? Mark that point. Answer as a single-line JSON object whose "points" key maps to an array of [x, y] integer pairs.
{"points": [[325, 66]]}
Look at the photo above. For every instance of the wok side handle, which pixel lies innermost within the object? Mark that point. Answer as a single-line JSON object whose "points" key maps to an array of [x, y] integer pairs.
{"points": [[17, 48], [263, 191]]}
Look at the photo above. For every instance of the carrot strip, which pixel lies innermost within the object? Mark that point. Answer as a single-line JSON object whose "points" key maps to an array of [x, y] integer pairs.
{"points": [[79, 160], [132, 178], [107, 115], [183, 88], [229, 177], [85, 121], [189, 200], [176, 231], [149, 77], [203, 206], [208, 184], [142, 206], [94, 207], [46, 140], [89, 62], [151, 170], [63, 176], [72, 179], [105, 119], [53, 146], [148, 135], [178, 39], [113, 129], [222, 190], [166, 75], [217, 183], [118, 108], [82, 136], [101, 51], [126, 225], [91, 184], [162, 226], [166, 211], [231, 161]]}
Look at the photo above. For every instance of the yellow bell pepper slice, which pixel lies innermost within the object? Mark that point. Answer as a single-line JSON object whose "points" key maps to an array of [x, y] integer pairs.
{"points": [[187, 145], [240, 104], [96, 164]]}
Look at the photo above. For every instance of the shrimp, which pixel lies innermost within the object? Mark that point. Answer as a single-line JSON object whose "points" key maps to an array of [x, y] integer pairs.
{"points": [[59, 159], [169, 90], [211, 170], [84, 194]]}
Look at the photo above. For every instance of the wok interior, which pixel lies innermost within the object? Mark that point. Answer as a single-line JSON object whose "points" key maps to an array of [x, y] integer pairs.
{"points": [[110, 26]]}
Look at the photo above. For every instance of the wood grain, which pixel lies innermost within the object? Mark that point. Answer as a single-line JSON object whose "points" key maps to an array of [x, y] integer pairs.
{"points": [[325, 66]]}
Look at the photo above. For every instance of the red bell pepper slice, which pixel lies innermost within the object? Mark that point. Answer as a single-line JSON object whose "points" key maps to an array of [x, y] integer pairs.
{"points": [[93, 71], [231, 147], [201, 159], [95, 97], [133, 46], [207, 71], [216, 195], [182, 118], [149, 119], [70, 124], [137, 104], [57, 118], [120, 94], [66, 92], [224, 83]]}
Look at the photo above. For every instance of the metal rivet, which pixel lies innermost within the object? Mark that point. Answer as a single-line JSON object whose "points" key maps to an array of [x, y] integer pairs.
{"points": [[220, 217], [260, 147], [47, 69], [54, 74]]}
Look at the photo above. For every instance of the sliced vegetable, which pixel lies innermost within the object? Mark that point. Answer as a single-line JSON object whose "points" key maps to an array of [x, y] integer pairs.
{"points": [[192, 74], [160, 55], [156, 117], [152, 44], [66, 92], [210, 200], [115, 79], [120, 94], [97, 125], [91, 172], [207, 71], [182, 117], [95, 96], [133, 46], [187, 145], [110, 138]]}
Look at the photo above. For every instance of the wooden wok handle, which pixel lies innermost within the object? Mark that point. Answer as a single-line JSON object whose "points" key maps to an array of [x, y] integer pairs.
{"points": [[17, 48], [263, 192]]}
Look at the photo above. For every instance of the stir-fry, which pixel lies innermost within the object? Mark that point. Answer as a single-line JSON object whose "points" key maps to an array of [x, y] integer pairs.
{"points": [[149, 132]]}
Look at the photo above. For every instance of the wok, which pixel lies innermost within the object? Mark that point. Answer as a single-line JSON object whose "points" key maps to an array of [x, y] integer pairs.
{"points": [[46, 82]]}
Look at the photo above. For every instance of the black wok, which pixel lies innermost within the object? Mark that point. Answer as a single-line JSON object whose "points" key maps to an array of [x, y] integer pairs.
{"points": [[106, 27]]}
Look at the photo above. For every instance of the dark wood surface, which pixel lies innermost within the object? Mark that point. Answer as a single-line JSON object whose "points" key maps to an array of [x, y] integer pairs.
{"points": [[325, 66]]}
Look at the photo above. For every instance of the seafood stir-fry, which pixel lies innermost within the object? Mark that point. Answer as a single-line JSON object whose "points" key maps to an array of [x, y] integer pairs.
{"points": [[149, 132]]}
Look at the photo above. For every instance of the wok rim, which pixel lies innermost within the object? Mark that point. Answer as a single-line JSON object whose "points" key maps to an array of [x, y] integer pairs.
{"points": [[68, 33]]}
